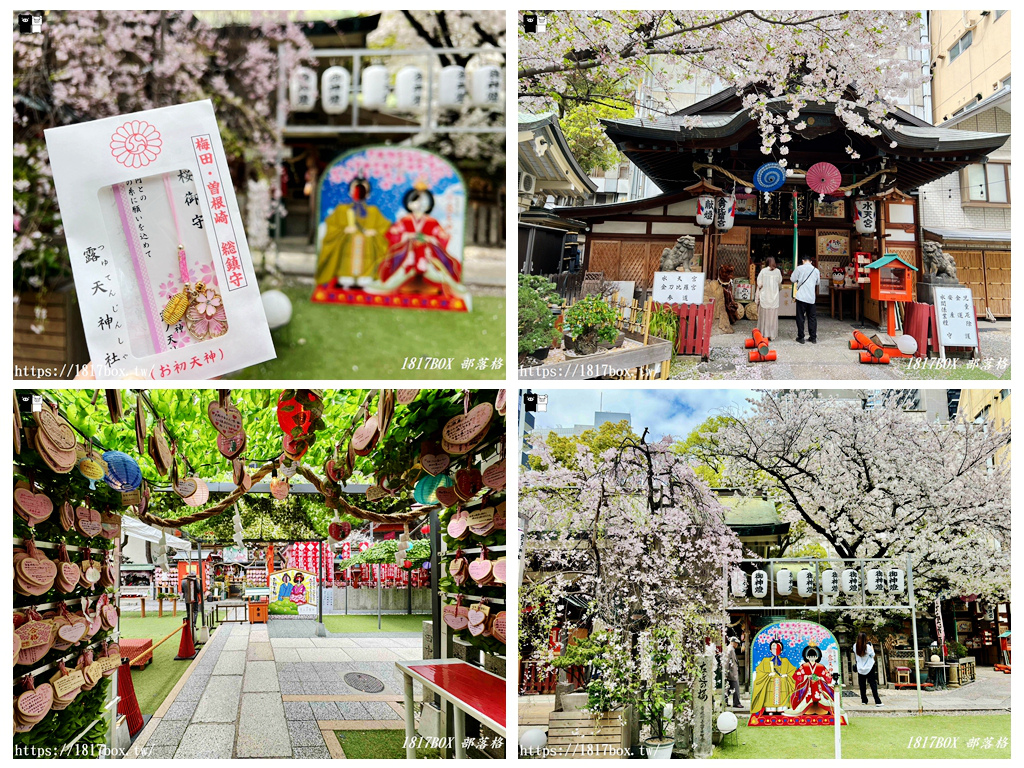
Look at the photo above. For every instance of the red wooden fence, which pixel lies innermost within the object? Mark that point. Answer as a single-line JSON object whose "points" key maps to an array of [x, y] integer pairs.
{"points": [[534, 680], [694, 337]]}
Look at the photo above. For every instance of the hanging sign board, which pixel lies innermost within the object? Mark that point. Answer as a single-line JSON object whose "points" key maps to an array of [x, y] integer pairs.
{"points": [[678, 287], [954, 312]]}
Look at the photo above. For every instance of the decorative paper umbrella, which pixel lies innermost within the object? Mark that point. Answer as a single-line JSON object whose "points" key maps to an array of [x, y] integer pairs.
{"points": [[824, 178], [769, 177]]}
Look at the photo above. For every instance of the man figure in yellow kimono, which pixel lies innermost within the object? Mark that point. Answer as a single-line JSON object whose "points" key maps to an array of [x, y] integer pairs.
{"points": [[355, 241], [773, 683]]}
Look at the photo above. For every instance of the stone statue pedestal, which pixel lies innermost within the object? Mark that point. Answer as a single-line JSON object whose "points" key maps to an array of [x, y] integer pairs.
{"points": [[926, 285]]}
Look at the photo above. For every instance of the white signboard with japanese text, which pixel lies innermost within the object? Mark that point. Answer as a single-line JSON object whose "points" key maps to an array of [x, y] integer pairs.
{"points": [[954, 312], [162, 267], [678, 288]]}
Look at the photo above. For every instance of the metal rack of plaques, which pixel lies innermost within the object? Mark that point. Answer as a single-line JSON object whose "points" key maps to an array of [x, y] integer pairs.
{"points": [[65, 606], [823, 584]]}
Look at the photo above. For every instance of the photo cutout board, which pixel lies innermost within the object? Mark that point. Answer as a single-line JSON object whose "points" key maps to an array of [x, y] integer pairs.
{"points": [[391, 231], [292, 593], [793, 669]]}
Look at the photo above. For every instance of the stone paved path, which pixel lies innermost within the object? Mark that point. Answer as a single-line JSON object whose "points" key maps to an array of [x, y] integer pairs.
{"points": [[278, 690]]}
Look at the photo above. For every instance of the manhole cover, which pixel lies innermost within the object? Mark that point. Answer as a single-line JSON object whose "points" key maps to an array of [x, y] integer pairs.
{"points": [[364, 683]]}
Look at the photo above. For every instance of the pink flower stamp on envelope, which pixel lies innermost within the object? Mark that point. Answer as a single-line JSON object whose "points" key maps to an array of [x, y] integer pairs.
{"points": [[135, 144]]}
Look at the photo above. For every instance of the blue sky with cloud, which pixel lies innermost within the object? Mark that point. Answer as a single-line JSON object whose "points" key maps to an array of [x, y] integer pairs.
{"points": [[664, 411]]}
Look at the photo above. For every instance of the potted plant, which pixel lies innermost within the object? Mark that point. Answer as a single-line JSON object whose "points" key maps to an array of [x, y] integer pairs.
{"points": [[657, 704], [546, 289], [536, 324], [588, 322]]}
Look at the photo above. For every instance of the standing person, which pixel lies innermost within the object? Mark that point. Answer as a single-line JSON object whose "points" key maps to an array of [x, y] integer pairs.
{"points": [[867, 669], [805, 279], [731, 672], [767, 299]]}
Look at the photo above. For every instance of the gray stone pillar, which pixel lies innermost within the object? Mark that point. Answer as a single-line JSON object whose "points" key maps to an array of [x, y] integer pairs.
{"points": [[703, 706]]}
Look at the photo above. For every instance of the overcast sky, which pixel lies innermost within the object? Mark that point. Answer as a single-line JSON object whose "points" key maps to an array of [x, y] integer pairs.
{"points": [[664, 412]]}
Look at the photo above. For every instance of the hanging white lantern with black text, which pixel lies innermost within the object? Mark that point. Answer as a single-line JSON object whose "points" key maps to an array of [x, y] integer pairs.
{"points": [[851, 581], [302, 89], [409, 88], [864, 216], [805, 582], [897, 581], [335, 83], [738, 583], [487, 86], [725, 212], [784, 581], [451, 91], [874, 581], [759, 583], [830, 582], [705, 210], [374, 86]]}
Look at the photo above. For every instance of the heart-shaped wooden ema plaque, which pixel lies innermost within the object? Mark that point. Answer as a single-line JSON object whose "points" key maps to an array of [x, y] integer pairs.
{"points": [[37, 571], [230, 446], [446, 496], [69, 576], [67, 516], [466, 428], [33, 508], [17, 646], [364, 438], [494, 476], [405, 396], [480, 569], [225, 418], [34, 704], [435, 463], [455, 618], [376, 493], [331, 471], [57, 429], [110, 526], [498, 570], [458, 525], [498, 626], [186, 487], [499, 402], [468, 483], [72, 633], [109, 616], [88, 522], [36, 640]]}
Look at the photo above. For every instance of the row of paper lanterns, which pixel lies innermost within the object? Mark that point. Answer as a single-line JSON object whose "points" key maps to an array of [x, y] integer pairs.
{"points": [[721, 212], [483, 89], [833, 582]]}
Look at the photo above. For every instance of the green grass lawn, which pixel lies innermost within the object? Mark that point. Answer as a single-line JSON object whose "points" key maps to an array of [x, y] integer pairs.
{"points": [[877, 738], [363, 623], [385, 744], [153, 683], [332, 341]]}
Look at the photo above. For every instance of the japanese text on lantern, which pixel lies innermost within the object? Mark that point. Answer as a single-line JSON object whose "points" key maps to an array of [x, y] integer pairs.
{"points": [[223, 228]]}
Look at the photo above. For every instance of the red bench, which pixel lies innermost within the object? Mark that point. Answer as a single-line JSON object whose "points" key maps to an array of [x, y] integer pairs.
{"points": [[133, 647]]}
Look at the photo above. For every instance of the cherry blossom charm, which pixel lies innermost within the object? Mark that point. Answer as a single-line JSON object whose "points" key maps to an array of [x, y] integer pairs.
{"points": [[205, 317]]}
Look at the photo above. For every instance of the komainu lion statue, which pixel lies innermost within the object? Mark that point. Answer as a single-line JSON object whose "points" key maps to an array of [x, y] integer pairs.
{"points": [[936, 261], [680, 257]]}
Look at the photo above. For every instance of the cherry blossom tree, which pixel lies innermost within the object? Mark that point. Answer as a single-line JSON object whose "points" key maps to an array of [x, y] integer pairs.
{"points": [[862, 61], [635, 536], [881, 483]]}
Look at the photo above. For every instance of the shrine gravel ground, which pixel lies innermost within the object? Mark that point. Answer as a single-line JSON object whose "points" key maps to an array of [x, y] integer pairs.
{"points": [[927, 737], [332, 341], [832, 359]]}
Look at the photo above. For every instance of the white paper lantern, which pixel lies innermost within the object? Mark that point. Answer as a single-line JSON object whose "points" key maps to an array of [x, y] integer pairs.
{"points": [[805, 583], [725, 212], [851, 581], [896, 581], [784, 581], [874, 581], [906, 344], [830, 582], [533, 740], [452, 86], [864, 216], [705, 210], [374, 86], [487, 86], [302, 89], [277, 307], [727, 722], [738, 583], [409, 87], [335, 83], [759, 583]]}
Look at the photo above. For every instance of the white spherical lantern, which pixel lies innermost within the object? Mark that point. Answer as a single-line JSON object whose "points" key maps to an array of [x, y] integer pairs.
{"points": [[830, 582], [759, 583], [726, 722], [451, 91], [738, 583], [784, 581], [705, 210], [896, 581], [533, 739], [874, 581], [277, 307], [374, 86], [302, 89], [906, 344], [409, 88], [335, 83], [486, 87], [851, 581], [805, 583], [725, 212]]}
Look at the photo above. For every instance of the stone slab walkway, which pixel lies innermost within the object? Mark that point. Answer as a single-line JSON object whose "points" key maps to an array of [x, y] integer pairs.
{"points": [[278, 691]]}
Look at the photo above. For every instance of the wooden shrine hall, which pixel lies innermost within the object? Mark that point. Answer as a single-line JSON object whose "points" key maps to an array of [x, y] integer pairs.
{"points": [[721, 157]]}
